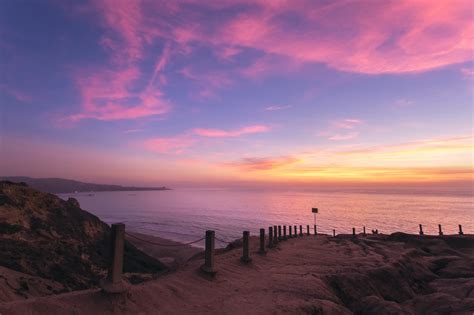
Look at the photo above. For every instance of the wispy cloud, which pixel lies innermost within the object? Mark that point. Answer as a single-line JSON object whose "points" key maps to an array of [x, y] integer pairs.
{"points": [[179, 143], [403, 102], [344, 136], [15, 93], [219, 133], [262, 163], [277, 107], [347, 123]]}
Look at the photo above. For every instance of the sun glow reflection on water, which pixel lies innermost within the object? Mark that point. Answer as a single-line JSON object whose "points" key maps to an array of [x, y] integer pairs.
{"points": [[185, 214]]}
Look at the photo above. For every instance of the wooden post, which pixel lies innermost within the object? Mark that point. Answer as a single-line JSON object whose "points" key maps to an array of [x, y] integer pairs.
{"points": [[275, 235], [245, 248], [421, 230], [270, 237], [289, 233], [440, 230], [307, 230], [364, 231], [279, 233], [262, 241], [301, 230], [333, 232], [315, 230], [284, 233], [295, 233], [208, 267], [460, 230], [353, 232], [114, 282]]}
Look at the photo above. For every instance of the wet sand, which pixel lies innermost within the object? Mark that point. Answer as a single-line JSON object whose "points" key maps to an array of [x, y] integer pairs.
{"points": [[399, 273]]}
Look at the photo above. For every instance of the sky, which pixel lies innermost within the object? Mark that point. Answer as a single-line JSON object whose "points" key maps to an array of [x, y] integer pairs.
{"points": [[236, 92]]}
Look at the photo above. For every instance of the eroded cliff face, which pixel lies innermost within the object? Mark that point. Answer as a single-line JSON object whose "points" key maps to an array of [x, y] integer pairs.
{"points": [[44, 236]]}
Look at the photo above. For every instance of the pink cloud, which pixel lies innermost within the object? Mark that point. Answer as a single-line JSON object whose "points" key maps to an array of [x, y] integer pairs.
{"points": [[264, 163], [365, 37], [344, 136], [347, 123], [218, 133], [277, 107], [209, 82], [177, 144], [16, 94]]}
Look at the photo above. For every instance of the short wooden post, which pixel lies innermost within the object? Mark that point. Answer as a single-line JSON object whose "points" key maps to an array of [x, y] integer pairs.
{"points": [[279, 233], [421, 230], [301, 230], [315, 230], [364, 231], [333, 232], [284, 233], [290, 232], [262, 241], [275, 235], [270, 237], [307, 230], [353, 232], [295, 233], [114, 282], [440, 231], [460, 230], [245, 248], [208, 266]]}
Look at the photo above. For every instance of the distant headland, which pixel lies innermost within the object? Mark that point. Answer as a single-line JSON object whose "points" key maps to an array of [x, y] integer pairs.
{"points": [[61, 185]]}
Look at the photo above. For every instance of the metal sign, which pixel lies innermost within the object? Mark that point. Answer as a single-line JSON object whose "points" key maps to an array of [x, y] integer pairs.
{"points": [[314, 210]]}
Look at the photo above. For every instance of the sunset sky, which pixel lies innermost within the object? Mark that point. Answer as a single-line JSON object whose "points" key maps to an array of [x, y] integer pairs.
{"points": [[222, 93]]}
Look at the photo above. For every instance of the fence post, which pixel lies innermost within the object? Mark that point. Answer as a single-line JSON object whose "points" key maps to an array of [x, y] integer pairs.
{"points": [[440, 230], [421, 230], [295, 233], [270, 237], [333, 233], [290, 234], [208, 266], [315, 231], [114, 282], [279, 233], [275, 235], [301, 230], [245, 246], [284, 233], [460, 230], [364, 230], [262, 242], [353, 232], [307, 230]]}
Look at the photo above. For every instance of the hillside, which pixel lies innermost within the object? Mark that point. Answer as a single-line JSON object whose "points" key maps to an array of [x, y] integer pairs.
{"points": [[44, 236], [60, 185]]}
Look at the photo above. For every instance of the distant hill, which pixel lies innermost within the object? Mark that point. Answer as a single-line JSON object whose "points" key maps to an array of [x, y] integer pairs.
{"points": [[61, 185], [45, 237]]}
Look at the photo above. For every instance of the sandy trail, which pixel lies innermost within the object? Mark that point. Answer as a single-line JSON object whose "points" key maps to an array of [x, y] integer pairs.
{"points": [[398, 273]]}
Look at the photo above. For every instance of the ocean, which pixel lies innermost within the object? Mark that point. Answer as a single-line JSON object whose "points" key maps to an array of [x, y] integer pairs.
{"points": [[185, 214]]}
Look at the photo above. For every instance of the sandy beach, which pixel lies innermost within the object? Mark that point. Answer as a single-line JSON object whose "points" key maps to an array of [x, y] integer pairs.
{"points": [[398, 273]]}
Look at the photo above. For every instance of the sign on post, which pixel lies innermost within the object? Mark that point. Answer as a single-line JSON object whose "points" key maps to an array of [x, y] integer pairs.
{"points": [[314, 211]]}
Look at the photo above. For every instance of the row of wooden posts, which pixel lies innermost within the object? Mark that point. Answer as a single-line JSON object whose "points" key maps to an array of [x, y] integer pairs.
{"points": [[277, 233]]}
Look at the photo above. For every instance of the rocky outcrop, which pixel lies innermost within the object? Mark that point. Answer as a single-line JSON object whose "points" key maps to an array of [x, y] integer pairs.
{"points": [[44, 236]]}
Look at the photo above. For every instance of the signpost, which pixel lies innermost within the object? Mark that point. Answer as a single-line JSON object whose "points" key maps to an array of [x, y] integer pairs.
{"points": [[314, 211]]}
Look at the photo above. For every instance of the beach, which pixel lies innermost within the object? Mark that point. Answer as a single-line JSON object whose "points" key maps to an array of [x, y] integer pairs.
{"points": [[397, 273]]}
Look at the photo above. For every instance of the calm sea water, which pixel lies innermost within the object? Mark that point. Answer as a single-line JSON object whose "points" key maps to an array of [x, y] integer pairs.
{"points": [[185, 214]]}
